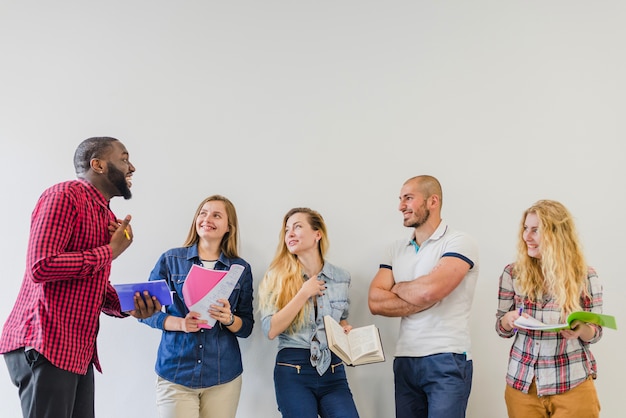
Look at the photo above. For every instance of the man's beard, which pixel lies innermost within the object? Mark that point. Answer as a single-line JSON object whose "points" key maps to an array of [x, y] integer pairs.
{"points": [[118, 179], [419, 221]]}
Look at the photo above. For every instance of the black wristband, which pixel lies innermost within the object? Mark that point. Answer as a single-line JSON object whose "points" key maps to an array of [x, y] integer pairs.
{"points": [[232, 320]]}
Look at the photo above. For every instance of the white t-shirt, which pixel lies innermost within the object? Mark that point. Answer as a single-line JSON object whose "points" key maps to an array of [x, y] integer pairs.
{"points": [[443, 328]]}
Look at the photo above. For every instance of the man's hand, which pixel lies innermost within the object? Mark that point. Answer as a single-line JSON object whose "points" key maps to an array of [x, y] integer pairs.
{"points": [[121, 236], [145, 306]]}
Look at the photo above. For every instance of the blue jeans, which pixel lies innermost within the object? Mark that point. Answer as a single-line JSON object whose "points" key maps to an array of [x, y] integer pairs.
{"points": [[436, 386], [302, 393]]}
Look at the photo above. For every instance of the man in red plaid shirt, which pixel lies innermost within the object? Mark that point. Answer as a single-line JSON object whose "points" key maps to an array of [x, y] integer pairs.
{"points": [[49, 338]]}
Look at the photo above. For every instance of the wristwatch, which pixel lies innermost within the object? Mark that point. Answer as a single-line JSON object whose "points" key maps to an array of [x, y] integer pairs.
{"points": [[232, 320]]}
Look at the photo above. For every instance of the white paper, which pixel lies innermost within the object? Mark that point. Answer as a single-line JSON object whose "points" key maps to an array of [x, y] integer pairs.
{"points": [[535, 324], [222, 290]]}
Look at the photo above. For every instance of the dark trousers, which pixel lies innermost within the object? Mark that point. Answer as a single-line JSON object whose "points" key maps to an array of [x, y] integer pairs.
{"points": [[302, 393], [436, 386], [47, 391]]}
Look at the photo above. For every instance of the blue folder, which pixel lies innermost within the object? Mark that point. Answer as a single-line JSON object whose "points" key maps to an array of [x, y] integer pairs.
{"points": [[157, 288]]}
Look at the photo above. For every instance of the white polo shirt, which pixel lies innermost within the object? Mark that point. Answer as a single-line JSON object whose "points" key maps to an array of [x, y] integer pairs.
{"points": [[443, 328]]}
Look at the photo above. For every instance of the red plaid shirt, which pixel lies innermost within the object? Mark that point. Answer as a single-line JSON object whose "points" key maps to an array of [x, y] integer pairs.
{"points": [[66, 283], [557, 364]]}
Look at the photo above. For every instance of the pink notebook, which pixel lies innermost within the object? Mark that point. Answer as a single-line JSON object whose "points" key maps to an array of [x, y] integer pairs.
{"points": [[203, 287], [199, 282]]}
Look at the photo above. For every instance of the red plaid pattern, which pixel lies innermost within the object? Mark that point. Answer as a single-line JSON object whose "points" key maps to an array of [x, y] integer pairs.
{"points": [[557, 364], [66, 283]]}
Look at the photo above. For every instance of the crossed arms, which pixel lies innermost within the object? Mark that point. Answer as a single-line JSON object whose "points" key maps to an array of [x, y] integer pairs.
{"points": [[388, 298]]}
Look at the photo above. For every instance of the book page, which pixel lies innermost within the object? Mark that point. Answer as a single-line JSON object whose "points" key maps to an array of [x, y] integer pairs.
{"points": [[535, 324], [336, 335], [584, 316], [363, 341]]}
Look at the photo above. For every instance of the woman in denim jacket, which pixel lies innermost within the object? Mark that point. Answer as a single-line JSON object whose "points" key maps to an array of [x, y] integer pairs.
{"points": [[199, 370], [298, 289]]}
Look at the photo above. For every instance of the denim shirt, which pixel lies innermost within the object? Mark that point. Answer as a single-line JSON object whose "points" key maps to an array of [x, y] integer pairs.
{"points": [[333, 302], [210, 356]]}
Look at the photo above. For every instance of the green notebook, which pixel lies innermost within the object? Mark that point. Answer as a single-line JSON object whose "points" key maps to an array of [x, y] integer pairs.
{"points": [[584, 316]]}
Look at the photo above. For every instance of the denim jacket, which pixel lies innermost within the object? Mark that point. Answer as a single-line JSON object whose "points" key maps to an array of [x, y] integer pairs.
{"points": [[333, 302], [210, 356]]}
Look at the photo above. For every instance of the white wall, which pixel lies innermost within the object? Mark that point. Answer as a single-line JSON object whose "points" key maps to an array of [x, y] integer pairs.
{"points": [[330, 105]]}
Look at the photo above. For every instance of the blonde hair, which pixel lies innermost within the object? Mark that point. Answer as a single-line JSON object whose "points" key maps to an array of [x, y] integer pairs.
{"points": [[283, 278], [562, 270], [229, 243]]}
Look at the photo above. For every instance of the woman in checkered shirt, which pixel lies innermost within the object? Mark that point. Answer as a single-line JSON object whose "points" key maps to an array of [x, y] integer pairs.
{"points": [[550, 373]]}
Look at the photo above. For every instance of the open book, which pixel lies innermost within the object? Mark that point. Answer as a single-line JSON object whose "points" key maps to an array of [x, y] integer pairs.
{"points": [[126, 293], [360, 346], [203, 287], [584, 316]]}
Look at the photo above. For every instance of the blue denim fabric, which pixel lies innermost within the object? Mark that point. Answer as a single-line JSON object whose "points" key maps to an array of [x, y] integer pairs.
{"points": [[436, 386], [208, 357], [302, 393], [312, 336]]}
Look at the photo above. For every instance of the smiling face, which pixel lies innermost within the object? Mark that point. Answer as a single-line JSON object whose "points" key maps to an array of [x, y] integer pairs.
{"points": [[212, 221], [300, 237], [532, 235], [413, 206], [119, 170]]}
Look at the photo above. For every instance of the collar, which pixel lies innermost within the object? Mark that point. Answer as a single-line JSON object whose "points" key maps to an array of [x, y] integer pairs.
{"points": [[436, 235], [325, 271], [94, 193], [192, 254]]}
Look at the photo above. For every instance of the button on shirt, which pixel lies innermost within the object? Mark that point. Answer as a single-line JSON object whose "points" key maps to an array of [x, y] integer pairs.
{"points": [[557, 364], [66, 283]]}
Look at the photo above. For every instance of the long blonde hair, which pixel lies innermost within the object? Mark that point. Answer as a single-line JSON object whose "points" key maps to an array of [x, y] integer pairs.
{"points": [[283, 278], [229, 243], [561, 272]]}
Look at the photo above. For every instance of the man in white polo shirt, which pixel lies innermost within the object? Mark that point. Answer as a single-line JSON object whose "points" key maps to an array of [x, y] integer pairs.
{"points": [[428, 280]]}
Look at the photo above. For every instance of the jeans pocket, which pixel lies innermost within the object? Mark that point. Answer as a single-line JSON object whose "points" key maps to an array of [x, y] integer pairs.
{"points": [[33, 357], [334, 366], [295, 366]]}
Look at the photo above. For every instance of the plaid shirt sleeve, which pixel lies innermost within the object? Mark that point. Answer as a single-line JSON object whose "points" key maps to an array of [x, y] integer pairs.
{"points": [[506, 301], [66, 282], [55, 250]]}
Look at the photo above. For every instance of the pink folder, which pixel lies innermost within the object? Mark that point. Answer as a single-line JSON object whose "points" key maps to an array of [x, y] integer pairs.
{"points": [[203, 287], [199, 282]]}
